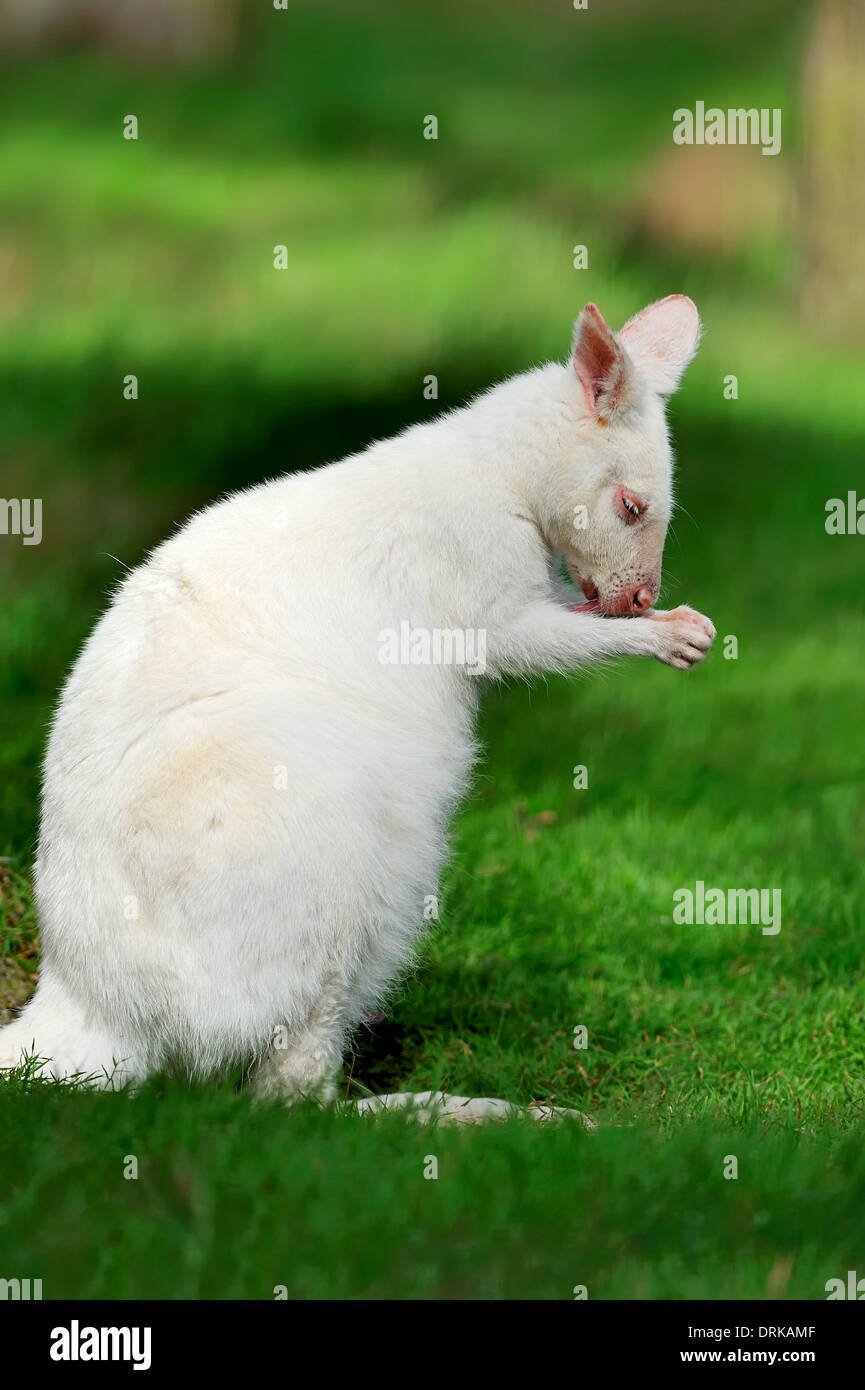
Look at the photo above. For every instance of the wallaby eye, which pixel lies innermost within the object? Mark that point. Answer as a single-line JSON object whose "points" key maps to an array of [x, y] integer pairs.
{"points": [[632, 507]]}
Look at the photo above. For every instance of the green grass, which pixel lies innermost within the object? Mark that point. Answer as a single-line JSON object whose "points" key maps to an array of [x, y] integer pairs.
{"points": [[557, 908], [230, 1202]]}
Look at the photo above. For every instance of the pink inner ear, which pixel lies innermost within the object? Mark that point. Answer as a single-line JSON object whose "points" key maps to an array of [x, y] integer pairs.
{"points": [[666, 331], [597, 356]]}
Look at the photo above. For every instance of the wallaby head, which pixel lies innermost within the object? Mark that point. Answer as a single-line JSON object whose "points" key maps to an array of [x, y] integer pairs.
{"points": [[612, 497]]}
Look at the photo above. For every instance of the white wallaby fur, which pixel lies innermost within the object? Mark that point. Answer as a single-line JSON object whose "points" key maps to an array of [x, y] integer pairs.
{"points": [[247, 792]]}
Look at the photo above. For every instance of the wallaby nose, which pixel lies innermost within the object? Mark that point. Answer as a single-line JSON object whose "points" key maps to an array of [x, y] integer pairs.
{"points": [[641, 599]]}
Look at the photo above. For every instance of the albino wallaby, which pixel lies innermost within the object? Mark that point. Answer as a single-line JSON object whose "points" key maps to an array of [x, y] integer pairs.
{"points": [[254, 762]]}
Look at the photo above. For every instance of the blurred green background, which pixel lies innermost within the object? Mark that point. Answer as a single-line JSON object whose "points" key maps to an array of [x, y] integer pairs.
{"points": [[407, 257]]}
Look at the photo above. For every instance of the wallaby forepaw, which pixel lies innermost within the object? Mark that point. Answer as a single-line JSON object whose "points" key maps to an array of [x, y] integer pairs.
{"points": [[682, 636]]}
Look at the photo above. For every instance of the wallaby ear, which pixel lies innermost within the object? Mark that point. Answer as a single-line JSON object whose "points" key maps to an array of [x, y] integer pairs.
{"points": [[662, 340], [599, 362]]}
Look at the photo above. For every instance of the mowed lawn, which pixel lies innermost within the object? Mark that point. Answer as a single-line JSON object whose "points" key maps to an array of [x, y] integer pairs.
{"points": [[703, 1042]]}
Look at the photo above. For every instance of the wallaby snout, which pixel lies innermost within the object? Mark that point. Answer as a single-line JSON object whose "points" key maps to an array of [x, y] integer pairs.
{"points": [[630, 600], [619, 599], [642, 599]]}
